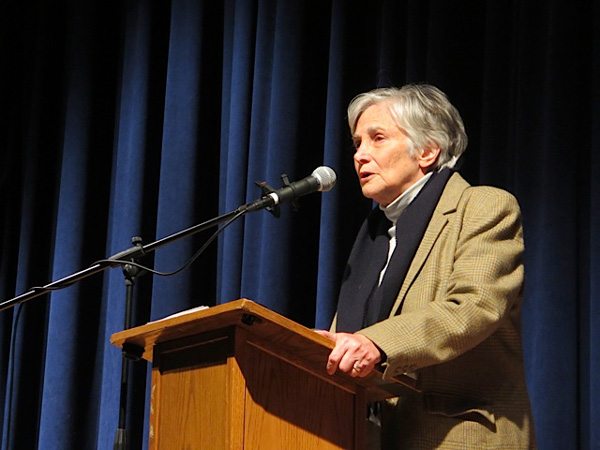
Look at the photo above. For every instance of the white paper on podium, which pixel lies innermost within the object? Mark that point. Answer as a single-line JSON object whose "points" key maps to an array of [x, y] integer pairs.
{"points": [[182, 313]]}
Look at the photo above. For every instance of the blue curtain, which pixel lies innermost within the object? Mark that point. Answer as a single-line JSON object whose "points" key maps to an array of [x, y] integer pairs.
{"points": [[138, 118]]}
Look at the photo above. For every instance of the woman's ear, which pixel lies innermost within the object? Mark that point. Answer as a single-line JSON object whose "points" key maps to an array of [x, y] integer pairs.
{"points": [[428, 157]]}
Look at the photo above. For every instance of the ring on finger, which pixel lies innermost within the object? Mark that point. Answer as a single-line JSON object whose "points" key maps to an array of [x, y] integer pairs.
{"points": [[357, 366]]}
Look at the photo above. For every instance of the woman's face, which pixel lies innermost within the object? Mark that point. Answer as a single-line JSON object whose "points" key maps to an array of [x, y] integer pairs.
{"points": [[382, 160]]}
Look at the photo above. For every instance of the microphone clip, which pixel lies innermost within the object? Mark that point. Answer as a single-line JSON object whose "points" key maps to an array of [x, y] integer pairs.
{"points": [[266, 190]]}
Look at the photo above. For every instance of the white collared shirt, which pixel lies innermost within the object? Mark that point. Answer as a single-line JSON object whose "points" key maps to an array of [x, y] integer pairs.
{"points": [[394, 210]]}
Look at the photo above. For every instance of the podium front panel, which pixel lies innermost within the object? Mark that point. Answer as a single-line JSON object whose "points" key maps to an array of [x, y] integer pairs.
{"points": [[289, 407], [189, 393], [228, 389]]}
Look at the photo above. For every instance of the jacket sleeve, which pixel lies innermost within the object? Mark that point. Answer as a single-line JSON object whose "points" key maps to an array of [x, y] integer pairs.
{"points": [[485, 282]]}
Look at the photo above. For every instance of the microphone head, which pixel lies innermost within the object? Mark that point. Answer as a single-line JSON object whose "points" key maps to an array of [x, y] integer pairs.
{"points": [[326, 177]]}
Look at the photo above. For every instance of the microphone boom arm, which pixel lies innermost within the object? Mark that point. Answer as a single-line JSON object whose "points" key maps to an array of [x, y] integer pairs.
{"points": [[322, 179], [119, 258]]}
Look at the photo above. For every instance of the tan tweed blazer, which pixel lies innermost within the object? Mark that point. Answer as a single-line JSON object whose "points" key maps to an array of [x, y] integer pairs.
{"points": [[459, 329]]}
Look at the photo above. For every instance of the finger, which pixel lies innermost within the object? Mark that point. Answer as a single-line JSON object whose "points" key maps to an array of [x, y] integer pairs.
{"points": [[332, 365], [349, 362], [368, 351], [334, 360], [354, 363], [354, 352], [366, 371], [325, 333], [363, 354], [356, 370], [338, 357], [362, 369]]}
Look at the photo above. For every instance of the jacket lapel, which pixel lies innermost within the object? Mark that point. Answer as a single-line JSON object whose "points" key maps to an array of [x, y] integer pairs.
{"points": [[445, 208]]}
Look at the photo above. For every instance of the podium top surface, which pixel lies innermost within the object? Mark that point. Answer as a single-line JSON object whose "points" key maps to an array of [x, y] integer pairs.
{"points": [[259, 321]]}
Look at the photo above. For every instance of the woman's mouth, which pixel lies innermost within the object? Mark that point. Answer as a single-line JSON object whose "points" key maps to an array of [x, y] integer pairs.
{"points": [[365, 176]]}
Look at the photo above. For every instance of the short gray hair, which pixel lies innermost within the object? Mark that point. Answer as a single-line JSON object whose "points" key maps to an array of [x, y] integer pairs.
{"points": [[424, 114]]}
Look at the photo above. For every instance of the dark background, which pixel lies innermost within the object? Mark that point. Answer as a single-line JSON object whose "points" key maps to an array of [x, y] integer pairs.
{"points": [[125, 118]]}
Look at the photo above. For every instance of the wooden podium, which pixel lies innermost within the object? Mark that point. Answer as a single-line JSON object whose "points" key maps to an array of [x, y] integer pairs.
{"points": [[239, 376]]}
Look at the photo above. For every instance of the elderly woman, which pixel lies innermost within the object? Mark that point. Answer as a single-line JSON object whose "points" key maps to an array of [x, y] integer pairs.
{"points": [[433, 285]]}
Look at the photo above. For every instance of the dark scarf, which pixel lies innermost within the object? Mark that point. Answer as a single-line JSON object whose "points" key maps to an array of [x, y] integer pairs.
{"points": [[361, 303]]}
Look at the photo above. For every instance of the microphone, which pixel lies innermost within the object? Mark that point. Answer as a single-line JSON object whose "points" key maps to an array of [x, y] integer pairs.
{"points": [[322, 179]]}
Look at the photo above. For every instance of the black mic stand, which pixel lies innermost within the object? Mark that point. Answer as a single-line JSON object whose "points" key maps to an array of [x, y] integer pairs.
{"points": [[130, 272]]}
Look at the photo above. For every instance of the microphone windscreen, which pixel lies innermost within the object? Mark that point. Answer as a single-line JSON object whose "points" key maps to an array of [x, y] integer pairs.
{"points": [[326, 177]]}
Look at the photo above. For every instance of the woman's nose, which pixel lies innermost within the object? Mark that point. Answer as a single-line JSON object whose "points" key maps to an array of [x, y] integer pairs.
{"points": [[362, 154]]}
